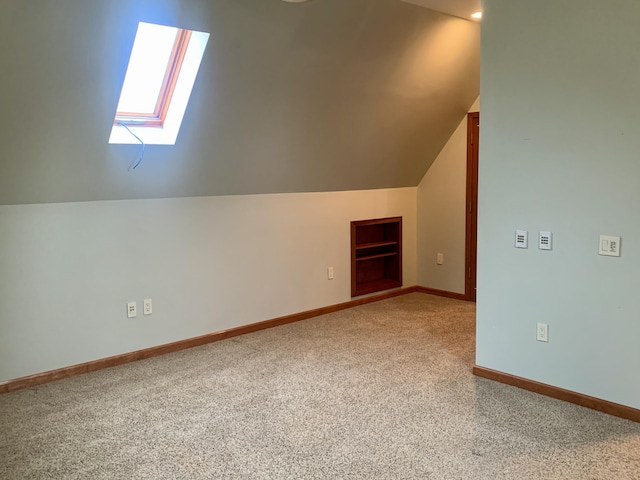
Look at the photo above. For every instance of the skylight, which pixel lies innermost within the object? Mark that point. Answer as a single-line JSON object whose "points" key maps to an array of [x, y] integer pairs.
{"points": [[162, 69]]}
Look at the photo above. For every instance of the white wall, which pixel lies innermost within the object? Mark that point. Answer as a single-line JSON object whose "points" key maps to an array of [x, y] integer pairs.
{"points": [[442, 215], [559, 152], [208, 263]]}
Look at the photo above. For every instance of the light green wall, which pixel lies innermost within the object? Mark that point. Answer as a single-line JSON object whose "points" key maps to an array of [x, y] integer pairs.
{"points": [[323, 96], [559, 152]]}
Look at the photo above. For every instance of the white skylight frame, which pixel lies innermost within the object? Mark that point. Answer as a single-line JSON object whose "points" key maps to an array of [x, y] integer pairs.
{"points": [[162, 126]]}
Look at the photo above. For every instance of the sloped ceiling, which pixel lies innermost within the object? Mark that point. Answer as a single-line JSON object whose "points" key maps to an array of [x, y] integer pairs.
{"points": [[458, 8], [321, 96]]}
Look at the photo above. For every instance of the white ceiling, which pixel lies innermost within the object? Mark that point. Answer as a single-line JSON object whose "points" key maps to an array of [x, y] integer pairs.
{"points": [[457, 8]]}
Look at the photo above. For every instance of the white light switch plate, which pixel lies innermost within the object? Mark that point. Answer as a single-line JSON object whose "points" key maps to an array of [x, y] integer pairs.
{"points": [[544, 240], [521, 238], [609, 246]]}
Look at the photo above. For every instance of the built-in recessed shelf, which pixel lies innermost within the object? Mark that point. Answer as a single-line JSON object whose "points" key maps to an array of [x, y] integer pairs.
{"points": [[376, 255], [375, 244]]}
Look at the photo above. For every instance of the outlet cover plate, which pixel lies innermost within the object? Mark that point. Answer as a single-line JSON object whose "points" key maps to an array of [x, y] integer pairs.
{"points": [[132, 309], [542, 332]]}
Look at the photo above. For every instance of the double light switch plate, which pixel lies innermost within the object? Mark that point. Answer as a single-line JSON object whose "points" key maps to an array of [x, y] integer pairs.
{"points": [[609, 246]]}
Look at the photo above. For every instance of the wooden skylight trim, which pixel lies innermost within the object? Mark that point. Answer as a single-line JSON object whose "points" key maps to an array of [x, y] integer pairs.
{"points": [[162, 70], [174, 65]]}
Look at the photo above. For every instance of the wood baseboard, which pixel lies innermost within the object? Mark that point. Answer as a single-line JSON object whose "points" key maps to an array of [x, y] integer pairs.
{"points": [[593, 403], [441, 293], [66, 372]]}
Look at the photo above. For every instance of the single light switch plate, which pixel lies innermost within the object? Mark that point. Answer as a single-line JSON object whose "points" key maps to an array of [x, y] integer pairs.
{"points": [[521, 238], [609, 246], [131, 310], [544, 241]]}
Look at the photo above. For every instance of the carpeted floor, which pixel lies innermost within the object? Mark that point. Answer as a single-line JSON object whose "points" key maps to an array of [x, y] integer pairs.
{"points": [[381, 391]]}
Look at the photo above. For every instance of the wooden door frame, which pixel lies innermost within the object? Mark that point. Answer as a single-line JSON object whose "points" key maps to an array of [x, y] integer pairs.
{"points": [[471, 228]]}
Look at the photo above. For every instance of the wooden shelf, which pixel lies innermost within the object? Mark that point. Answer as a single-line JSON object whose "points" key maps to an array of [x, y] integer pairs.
{"points": [[379, 255], [376, 255], [362, 246]]}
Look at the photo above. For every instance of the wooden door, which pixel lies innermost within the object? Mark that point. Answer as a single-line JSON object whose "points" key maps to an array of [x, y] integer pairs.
{"points": [[473, 137]]}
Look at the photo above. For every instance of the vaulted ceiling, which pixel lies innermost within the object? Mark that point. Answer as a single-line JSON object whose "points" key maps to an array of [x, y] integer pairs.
{"points": [[457, 8], [319, 96]]}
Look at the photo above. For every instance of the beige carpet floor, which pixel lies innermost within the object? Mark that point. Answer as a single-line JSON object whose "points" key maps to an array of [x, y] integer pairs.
{"points": [[381, 391]]}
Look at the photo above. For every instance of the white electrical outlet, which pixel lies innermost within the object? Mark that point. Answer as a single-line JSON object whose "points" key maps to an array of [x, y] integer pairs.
{"points": [[521, 238], [147, 306], [542, 332], [132, 309], [439, 259], [329, 273]]}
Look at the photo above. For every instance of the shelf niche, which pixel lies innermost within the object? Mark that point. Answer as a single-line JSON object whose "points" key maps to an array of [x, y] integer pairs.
{"points": [[376, 255]]}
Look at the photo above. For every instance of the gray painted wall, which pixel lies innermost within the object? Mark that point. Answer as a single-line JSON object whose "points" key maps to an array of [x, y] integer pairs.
{"points": [[329, 95], [559, 152]]}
